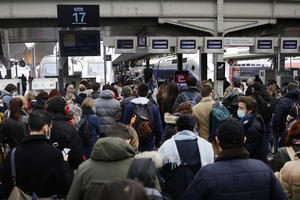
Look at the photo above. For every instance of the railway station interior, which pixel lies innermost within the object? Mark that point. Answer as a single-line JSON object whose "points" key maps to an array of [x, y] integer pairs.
{"points": [[150, 99]]}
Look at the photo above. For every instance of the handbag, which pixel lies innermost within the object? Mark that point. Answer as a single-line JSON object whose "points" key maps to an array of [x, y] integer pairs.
{"points": [[17, 193]]}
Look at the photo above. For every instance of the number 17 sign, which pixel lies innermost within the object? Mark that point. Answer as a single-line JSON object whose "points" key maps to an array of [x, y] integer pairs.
{"points": [[78, 15]]}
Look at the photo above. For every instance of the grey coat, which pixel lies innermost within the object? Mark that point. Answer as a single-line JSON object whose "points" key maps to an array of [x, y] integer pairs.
{"points": [[107, 109]]}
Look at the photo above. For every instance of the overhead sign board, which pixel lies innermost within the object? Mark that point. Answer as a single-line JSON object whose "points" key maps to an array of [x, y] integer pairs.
{"points": [[125, 45], [289, 45], [188, 44], [220, 71], [214, 45], [79, 43], [238, 42], [180, 77], [159, 45], [265, 44], [142, 41], [78, 15]]}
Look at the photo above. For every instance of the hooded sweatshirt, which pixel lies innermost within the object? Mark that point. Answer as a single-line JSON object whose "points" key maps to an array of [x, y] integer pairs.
{"points": [[110, 159]]}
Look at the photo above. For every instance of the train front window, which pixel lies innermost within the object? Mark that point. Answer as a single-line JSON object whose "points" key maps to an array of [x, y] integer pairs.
{"points": [[50, 69]]}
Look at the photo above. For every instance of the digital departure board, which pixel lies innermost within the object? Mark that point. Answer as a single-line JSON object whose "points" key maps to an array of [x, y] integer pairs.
{"points": [[187, 44], [290, 44], [160, 44], [264, 44], [214, 44], [125, 44], [79, 43]]}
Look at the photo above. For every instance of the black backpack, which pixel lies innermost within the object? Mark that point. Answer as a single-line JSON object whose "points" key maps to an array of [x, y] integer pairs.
{"points": [[84, 131], [176, 179], [265, 108], [142, 122], [231, 102]]}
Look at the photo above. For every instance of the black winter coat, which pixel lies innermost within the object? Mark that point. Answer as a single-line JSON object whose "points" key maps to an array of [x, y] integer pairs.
{"points": [[12, 132], [234, 176], [283, 109], [65, 135], [255, 132], [40, 168]]}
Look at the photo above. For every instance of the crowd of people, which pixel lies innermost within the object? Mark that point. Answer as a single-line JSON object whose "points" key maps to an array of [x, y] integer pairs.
{"points": [[133, 143]]}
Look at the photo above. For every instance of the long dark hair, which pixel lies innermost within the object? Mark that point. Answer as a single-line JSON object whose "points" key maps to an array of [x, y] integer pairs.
{"points": [[171, 95], [293, 133], [15, 108]]}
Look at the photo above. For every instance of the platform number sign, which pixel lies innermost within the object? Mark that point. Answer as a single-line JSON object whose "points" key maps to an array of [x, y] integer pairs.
{"points": [[78, 15]]}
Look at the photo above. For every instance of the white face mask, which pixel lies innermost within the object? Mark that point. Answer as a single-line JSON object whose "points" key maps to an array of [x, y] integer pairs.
{"points": [[94, 109], [241, 114], [78, 120], [14, 94]]}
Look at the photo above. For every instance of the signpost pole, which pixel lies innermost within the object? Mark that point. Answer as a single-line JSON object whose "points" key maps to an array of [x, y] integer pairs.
{"points": [[104, 57], [8, 67], [179, 62]]}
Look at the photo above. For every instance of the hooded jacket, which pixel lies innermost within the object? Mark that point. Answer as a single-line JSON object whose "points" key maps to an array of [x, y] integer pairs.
{"points": [[282, 110], [157, 129], [235, 176], [110, 159], [169, 129], [6, 96], [170, 153], [107, 109], [191, 92]]}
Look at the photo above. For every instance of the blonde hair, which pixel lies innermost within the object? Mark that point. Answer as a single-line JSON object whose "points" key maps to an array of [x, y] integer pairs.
{"points": [[25, 106], [81, 88], [70, 88], [134, 142], [30, 96], [88, 103], [70, 97]]}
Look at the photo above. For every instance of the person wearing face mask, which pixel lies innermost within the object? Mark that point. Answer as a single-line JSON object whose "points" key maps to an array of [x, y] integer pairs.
{"points": [[75, 113], [255, 129], [40, 167]]}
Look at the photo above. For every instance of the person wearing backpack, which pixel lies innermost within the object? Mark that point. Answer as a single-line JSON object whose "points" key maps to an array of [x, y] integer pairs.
{"points": [[39, 167], [231, 100], [191, 94], [234, 175], [144, 116], [255, 129], [89, 129], [264, 104], [183, 155], [203, 109]]}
